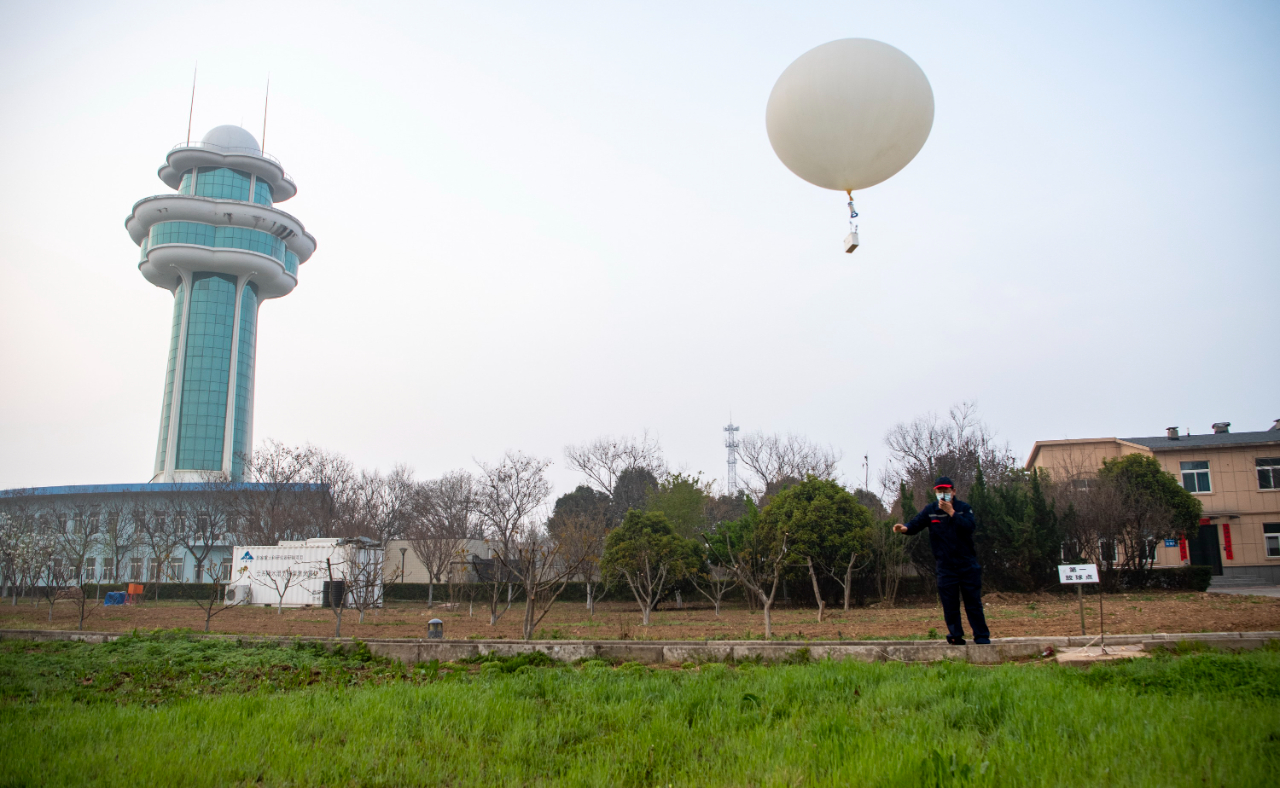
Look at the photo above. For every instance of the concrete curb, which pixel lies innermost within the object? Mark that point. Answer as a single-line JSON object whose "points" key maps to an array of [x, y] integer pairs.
{"points": [[412, 651]]}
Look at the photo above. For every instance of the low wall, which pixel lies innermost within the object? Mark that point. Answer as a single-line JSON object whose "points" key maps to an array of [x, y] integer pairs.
{"points": [[681, 651]]}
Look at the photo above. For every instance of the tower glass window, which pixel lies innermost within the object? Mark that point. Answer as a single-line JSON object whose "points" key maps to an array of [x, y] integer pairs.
{"points": [[262, 192], [206, 369], [168, 379], [200, 234], [1195, 476], [196, 233], [243, 433], [223, 184], [185, 186], [252, 240]]}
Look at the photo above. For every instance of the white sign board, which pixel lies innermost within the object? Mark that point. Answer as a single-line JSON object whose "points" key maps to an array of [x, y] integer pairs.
{"points": [[1078, 573]]}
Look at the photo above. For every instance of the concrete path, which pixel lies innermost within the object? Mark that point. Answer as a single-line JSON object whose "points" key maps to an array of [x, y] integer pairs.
{"points": [[676, 652]]}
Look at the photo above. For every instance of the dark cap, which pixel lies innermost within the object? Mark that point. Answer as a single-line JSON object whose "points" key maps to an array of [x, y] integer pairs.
{"points": [[943, 481]]}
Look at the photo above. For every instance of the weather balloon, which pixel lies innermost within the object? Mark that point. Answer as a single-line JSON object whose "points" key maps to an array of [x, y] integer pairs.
{"points": [[849, 114]]}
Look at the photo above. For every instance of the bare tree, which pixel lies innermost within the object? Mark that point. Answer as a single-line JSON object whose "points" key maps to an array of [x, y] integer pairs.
{"points": [[215, 602], [928, 447], [332, 513], [758, 556], [510, 495], [162, 531], [537, 563], [19, 524], [121, 535], [1111, 526], [605, 458], [772, 460], [77, 534], [10, 539], [579, 533], [440, 521], [889, 559], [713, 580], [201, 520], [280, 581], [337, 597], [283, 505], [59, 577], [380, 505], [363, 573]]}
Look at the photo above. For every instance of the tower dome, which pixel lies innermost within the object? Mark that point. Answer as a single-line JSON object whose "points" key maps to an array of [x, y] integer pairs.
{"points": [[231, 138]]}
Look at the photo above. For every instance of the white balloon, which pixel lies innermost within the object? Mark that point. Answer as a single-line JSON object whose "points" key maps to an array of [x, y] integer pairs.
{"points": [[849, 114]]}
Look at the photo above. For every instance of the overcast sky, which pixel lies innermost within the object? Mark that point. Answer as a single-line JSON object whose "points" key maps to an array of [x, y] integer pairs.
{"points": [[543, 222]]}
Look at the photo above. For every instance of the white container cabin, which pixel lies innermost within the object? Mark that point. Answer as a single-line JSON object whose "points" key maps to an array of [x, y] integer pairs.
{"points": [[301, 570]]}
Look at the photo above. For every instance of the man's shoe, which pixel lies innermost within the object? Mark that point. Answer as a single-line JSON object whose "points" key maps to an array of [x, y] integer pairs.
{"points": [[955, 641]]}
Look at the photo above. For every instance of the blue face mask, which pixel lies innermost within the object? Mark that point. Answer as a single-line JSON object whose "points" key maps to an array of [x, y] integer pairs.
{"points": [[943, 496]]}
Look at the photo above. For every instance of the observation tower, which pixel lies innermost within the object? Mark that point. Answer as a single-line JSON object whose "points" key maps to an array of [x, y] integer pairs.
{"points": [[222, 248]]}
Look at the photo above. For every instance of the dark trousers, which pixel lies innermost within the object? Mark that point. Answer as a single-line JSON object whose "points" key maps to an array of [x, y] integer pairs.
{"points": [[954, 586]]}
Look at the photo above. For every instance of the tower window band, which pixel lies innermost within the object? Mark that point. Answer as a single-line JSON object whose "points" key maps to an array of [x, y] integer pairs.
{"points": [[200, 234]]}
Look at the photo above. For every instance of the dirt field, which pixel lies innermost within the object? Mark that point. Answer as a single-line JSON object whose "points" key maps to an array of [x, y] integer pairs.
{"points": [[1008, 614]]}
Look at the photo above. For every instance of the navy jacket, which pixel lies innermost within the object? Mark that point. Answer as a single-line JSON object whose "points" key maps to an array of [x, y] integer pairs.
{"points": [[950, 536]]}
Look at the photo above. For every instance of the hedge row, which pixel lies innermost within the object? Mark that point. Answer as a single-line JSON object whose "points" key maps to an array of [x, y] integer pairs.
{"points": [[192, 591], [1184, 578]]}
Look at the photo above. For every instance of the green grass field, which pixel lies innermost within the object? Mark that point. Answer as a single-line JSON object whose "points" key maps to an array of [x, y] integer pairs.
{"points": [[168, 710]]}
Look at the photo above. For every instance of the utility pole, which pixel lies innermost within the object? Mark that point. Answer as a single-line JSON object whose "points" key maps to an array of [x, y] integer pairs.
{"points": [[731, 443]]}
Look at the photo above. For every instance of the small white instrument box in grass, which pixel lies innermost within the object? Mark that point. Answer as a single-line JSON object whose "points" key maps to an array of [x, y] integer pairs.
{"points": [[1078, 573]]}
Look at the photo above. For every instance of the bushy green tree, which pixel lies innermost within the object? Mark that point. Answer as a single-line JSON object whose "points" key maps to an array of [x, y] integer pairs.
{"points": [[1133, 505], [631, 491], [1019, 534], [917, 551], [683, 499], [1144, 481], [756, 553], [648, 554], [829, 530]]}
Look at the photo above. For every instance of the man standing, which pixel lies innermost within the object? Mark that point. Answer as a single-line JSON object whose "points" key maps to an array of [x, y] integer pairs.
{"points": [[950, 522]]}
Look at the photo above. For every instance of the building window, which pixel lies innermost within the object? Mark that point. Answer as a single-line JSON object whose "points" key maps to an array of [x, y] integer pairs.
{"points": [[1268, 473], [224, 571], [135, 569], [153, 572], [1150, 555], [108, 570], [175, 570], [1195, 476], [90, 568], [1084, 484], [222, 183], [262, 193], [1271, 535]]}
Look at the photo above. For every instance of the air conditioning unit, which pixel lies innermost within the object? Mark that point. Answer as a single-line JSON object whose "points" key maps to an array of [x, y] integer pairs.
{"points": [[239, 595]]}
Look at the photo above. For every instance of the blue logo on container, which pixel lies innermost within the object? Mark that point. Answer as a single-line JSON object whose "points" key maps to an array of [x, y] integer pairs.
{"points": [[246, 556]]}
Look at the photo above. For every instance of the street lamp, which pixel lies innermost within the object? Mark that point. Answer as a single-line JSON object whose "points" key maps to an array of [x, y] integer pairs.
{"points": [[403, 550]]}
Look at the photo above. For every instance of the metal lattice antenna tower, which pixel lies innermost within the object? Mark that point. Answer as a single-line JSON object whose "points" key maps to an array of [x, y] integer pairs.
{"points": [[731, 443]]}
